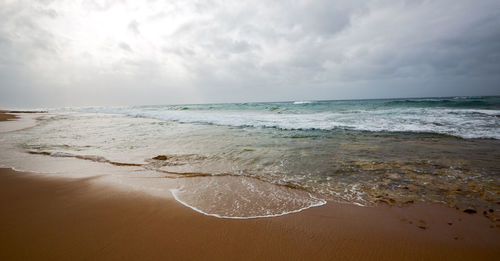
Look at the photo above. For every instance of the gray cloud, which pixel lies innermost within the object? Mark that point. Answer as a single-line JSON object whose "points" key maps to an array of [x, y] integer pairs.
{"points": [[125, 47], [55, 53], [133, 26]]}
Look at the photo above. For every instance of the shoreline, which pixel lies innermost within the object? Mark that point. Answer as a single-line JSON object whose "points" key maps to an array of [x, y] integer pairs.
{"points": [[7, 115], [17, 120], [61, 218]]}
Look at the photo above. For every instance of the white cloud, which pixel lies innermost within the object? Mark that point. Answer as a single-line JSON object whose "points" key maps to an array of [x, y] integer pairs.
{"points": [[138, 52]]}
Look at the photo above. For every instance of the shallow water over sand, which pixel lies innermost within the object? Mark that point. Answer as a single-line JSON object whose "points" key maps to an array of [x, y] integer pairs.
{"points": [[249, 171]]}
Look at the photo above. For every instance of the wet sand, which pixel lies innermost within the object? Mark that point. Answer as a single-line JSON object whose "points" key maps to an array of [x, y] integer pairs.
{"points": [[47, 218], [6, 115]]}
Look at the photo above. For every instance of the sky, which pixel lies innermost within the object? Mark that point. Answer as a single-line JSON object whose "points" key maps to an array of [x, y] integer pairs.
{"points": [[122, 52]]}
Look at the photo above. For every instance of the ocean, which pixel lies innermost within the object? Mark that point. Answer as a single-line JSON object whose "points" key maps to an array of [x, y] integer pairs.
{"points": [[262, 159]]}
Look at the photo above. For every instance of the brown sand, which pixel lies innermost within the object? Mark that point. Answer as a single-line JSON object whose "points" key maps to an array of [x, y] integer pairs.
{"points": [[8, 115], [45, 218], [5, 116]]}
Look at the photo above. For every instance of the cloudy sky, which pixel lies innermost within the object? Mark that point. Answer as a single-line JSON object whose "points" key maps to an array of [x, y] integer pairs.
{"points": [[124, 52]]}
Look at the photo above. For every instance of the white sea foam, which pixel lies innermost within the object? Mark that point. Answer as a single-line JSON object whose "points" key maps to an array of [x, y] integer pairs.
{"points": [[319, 203], [62, 154], [242, 198], [465, 123]]}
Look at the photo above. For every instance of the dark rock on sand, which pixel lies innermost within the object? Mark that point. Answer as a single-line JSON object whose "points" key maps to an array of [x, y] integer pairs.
{"points": [[160, 157], [470, 211]]}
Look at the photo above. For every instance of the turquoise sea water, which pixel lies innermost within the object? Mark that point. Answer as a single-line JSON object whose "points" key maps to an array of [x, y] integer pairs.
{"points": [[393, 151], [466, 117]]}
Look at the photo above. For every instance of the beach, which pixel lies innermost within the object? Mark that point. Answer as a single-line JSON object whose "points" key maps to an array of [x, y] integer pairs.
{"points": [[249, 130], [45, 217], [60, 219]]}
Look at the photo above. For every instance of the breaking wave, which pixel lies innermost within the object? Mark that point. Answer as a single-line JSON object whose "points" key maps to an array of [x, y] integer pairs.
{"points": [[464, 123]]}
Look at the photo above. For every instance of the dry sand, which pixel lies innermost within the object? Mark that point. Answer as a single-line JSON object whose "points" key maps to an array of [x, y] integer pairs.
{"points": [[47, 218]]}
